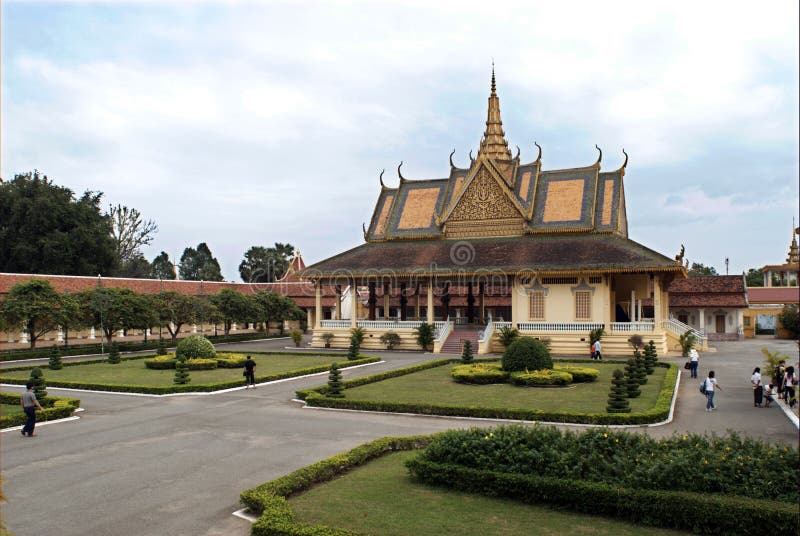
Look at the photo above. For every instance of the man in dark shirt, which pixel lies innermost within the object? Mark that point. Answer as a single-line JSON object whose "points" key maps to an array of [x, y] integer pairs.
{"points": [[249, 373]]}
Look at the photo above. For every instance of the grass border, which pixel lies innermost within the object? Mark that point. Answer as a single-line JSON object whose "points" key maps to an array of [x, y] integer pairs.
{"points": [[186, 388], [316, 397], [50, 413]]}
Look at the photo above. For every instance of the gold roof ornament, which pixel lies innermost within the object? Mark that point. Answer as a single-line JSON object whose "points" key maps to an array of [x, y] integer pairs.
{"points": [[493, 143], [794, 254]]}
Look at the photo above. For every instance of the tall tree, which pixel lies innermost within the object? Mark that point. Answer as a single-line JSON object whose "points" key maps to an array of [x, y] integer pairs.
{"points": [[162, 267], [199, 264], [138, 267], [35, 306], [44, 229], [700, 269], [130, 232], [115, 309], [175, 310], [754, 277], [264, 265], [233, 306]]}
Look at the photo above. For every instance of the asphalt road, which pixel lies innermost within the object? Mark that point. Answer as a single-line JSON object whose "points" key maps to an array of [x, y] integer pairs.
{"points": [[176, 465]]}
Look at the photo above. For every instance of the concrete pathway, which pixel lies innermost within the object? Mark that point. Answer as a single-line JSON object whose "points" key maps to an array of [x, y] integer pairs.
{"points": [[154, 466]]}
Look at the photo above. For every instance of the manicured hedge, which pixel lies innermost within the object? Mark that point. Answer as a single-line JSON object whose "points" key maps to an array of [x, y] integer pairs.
{"points": [[697, 512], [55, 407], [190, 388], [201, 364], [161, 362], [541, 378], [660, 411], [230, 360], [579, 374], [269, 500], [480, 373]]}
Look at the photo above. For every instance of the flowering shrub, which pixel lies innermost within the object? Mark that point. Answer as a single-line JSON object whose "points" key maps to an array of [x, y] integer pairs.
{"points": [[201, 364], [161, 362], [195, 346], [541, 377], [579, 374], [732, 465], [230, 360], [479, 373]]}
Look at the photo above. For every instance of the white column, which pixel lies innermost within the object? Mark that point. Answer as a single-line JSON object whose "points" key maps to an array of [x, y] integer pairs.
{"points": [[386, 312], [353, 305], [149, 332], [657, 302], [632, 307], [121, 334], [23, 337], [318, 305], [194, 328], [701, 313], [92, 334], [430, 301], [60, 334], [233, 326], [639, 310]]}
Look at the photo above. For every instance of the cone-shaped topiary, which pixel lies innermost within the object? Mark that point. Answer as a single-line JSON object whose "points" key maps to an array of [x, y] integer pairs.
{"points": [[55, 358], [649, 358], [335, 382], [632, 379], [466, 352], [195, 346], [352, 351], [652, 345], [162, 348], [39, 385], [617, 398], [527, 353], [113, 354], [181, 372], [641, 368]]}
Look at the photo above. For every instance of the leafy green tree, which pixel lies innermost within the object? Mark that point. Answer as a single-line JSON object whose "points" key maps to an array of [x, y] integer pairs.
{"points": [[466, 352], [270, 306], [69, 315], [162, 267], [181, 372], [687, 340], [233, 306], [114, 309], [700, 269], [175, 310], [264, 265], [618, 398], [390, 339], [138, 268], [335, 382], [35, 306], [790, 320], [425, 334], [358, 333], [45, 229], [39, 384], [754, 277], [199, 264], [113, 354], [55, 358]]}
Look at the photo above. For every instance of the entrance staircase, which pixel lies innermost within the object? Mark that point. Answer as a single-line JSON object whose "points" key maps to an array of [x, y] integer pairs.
{"points": [[455, 340]]}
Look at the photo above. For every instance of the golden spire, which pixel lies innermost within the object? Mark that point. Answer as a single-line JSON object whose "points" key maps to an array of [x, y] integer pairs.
{"points": [[493, 143], [794, 254]]}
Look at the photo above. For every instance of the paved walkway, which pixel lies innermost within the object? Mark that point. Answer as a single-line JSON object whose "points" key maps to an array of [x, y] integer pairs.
{"points": [[153, 466]]}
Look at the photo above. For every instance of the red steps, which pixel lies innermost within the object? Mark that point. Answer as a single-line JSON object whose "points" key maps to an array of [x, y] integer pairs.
{"points": [[454, 343]]}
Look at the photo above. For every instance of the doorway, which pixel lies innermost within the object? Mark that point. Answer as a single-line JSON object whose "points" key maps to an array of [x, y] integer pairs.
{"points": [[720, 319]]}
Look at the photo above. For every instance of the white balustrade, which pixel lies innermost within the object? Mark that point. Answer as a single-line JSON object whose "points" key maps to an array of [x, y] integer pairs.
{"points": [[335, 324], [443, 331], [500, 325], [628, 327], [679, 328], [558, 326], [487, 333]]}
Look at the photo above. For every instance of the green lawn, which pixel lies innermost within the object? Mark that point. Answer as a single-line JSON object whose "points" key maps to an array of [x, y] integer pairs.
{"points": [[7, 410], [436, 386], [381, 498], [134, 372]]}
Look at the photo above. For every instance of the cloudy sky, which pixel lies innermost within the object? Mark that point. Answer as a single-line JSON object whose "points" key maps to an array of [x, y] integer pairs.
{"points": [[243, 124]]}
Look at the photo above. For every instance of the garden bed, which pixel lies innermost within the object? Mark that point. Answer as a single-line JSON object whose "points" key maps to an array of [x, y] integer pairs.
{"points": [[55, 407], [132, 376], [429, 389]]}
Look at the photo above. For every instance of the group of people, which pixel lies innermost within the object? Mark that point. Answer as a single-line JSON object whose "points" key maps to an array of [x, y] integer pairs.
{"points": [[782, 386]]}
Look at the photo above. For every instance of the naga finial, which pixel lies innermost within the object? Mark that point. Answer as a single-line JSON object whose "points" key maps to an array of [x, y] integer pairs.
{"points": [[452, 165], [600, 156], [398, 172], [679, 256], [472, 160], [538, 158], [625, 163], [518, 151], [380, 178], [364, 229]]}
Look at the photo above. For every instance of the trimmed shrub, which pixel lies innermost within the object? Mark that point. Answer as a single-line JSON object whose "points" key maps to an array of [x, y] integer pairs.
{"points": [[55, 358], [479, 373], [390, 339], [161, 362], [113, 354], [618, 397], [230, 360], [541, 378], [358, 333], [181, 372], [201, 364], [641, 368], [636, 342], [328, 337], [508, 335], [335, 382], [425, 335], [352, 350], [161, 349], [39, 384], [579, 374], [195, 346], [687, 340], [649, 357], [526, 353], [595, 335], [632, 379], [652, 346], [297, 337], [466, 352]]}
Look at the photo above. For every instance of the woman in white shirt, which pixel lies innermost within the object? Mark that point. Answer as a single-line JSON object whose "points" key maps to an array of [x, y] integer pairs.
{"points": [[711, 386], [694, 360], [758, 389]]}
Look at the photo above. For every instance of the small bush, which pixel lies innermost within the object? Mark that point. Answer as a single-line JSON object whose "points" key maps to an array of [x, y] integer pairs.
{"points": [[579, 374], [687, 341], [55, 358], [161, 349], [390, 339], [113, 354], [161, 362], [479, 373], [540, 378], [39, 384], [618, 397], [335, 382], [201, 364], [508, 335], [195, 346], [425, 335], [636, 342], [650, 358], [641, 368], [632, 379], [358, 333], [230, 360], [352, 350], [297, 337], [466, 352], [327, 337], [595, 335], [181, 372], [526, 353]]}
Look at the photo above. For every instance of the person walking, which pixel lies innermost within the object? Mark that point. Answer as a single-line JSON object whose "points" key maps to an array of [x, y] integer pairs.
{"points": [[596, 347], [710, 385], [694, 361], [29, 404], [788, 383], [758, 389], [249, 373]]}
